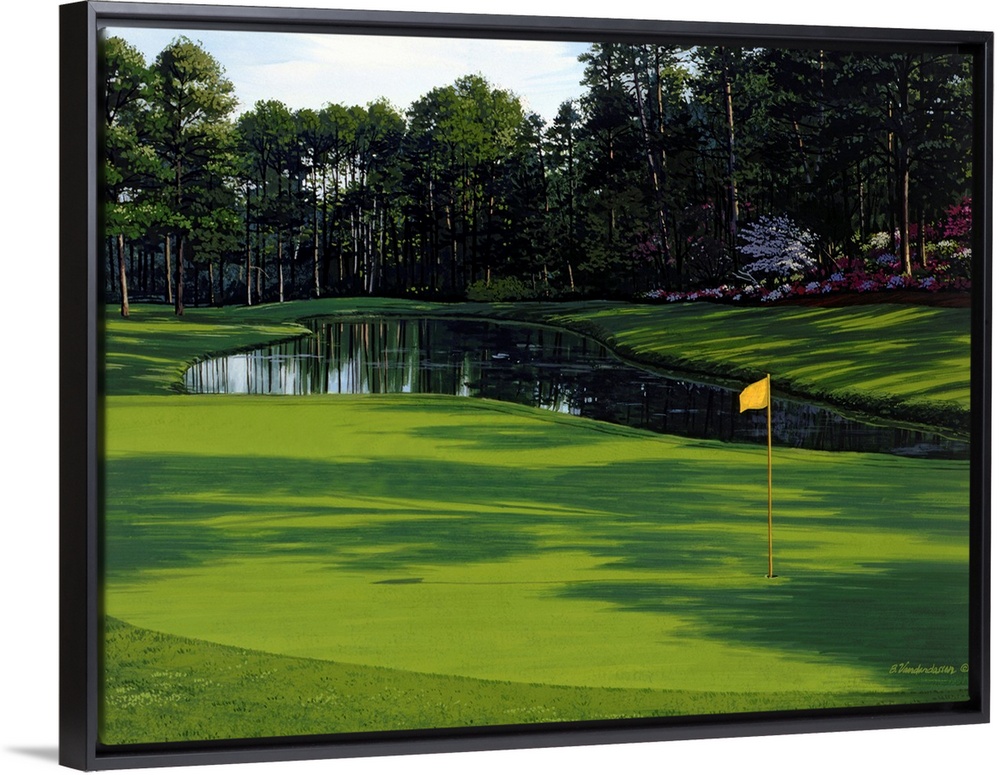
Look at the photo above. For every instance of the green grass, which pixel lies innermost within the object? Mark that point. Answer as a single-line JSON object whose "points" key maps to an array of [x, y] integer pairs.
{"points": [[167, 688], [896, 361], [441, 535], [425, 561]]}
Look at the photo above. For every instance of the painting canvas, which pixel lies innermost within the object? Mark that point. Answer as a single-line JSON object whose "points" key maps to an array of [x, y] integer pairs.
{"points": [[507, 383]]}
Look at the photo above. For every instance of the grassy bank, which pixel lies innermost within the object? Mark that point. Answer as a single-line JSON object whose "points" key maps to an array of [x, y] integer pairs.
{"points": [[166, 688]]}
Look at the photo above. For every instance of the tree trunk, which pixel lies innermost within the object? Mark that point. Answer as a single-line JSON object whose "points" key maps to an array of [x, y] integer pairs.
{"points": [[179, 298], [261, 261], [904, 212], [122, 280], [904, 180], [732, 202], [315, 240], [281, 272], [654, 172], [249, 251], [168, 272]]}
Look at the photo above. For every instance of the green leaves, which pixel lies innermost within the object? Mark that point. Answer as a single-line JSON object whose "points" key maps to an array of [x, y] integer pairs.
{"points": [[642, 182]]}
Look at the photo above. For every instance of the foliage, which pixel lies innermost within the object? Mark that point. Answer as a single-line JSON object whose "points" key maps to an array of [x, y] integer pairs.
{"points": [[500, 289], [673, 168]]}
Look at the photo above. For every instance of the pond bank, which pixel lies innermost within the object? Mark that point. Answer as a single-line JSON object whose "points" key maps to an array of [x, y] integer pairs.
{"points": [[906, 363]]}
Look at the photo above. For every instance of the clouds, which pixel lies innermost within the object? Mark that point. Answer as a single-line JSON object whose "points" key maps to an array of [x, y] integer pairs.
{"points": [[312, 70]]}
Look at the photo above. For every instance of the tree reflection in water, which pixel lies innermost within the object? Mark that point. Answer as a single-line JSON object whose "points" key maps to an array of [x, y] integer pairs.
{"points": [[541, 367]]}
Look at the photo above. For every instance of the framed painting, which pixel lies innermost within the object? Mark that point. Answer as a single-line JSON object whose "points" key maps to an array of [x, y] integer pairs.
{"points": [[440, 382]]}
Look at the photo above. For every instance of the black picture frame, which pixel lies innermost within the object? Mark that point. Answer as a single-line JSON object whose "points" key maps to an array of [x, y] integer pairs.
{"points": [[80, 384]]}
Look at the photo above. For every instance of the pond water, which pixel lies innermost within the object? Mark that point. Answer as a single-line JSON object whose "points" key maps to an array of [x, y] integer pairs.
{"points": [[540, 367]]}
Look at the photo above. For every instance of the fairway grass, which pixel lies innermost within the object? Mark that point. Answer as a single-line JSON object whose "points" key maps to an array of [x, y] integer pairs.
{"points": [[472, 538], [300, 565]]}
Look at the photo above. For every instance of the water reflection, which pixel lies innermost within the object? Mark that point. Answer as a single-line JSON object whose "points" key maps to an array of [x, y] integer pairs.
{"points": [[540, 367]]}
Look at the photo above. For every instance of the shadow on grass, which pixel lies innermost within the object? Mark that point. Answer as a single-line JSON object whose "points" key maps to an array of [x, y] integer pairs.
{"points": [[396, 514], [418, 513], [893, 613]]}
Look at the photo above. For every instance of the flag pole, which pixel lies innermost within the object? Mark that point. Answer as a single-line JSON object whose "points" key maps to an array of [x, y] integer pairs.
{"points": [[758, 396], [770, 542]]}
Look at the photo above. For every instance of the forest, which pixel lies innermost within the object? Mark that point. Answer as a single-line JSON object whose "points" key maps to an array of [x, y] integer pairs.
{"points": [[680, 172]]}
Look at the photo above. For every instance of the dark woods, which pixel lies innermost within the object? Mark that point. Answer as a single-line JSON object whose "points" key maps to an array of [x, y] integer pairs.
{"points": [[644, 183]]}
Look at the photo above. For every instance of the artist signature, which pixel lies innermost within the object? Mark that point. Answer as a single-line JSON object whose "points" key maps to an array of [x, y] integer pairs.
{"points": [[909, 668]]}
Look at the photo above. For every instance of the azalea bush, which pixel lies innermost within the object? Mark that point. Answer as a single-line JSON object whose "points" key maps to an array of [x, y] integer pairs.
{"points": [[850, 276], [958, 222]]}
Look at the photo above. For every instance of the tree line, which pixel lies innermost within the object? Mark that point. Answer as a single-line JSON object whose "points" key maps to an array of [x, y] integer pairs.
{"points": [[646, 181]]}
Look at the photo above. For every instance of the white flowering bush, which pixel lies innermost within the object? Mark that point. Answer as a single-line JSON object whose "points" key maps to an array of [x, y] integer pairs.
{"points": [[780, 249], [879, 242]]}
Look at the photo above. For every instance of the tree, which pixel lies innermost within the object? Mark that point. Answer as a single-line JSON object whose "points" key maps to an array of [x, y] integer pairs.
{"points": [[616, 203], [460, 139], [215, 222], [266, 138], [378, 134], [191, 102], [128, 158], [562, 146]]}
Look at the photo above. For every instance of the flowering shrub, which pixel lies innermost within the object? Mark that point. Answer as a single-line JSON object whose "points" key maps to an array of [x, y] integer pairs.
{"points": [[958, 222], [784, 264], [782, 250], [947, 249], [878, 242], [850, 276]]}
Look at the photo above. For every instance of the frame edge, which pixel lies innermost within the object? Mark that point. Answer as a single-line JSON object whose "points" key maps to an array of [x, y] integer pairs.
{"points": [[77, 366], [78, 427]]}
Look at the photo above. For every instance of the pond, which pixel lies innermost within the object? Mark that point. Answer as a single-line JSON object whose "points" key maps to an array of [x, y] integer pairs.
{"points": [[541, 367]]}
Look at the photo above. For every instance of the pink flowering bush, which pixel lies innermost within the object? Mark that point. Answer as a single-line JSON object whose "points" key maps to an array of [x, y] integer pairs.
{"points": [[958, 222]]}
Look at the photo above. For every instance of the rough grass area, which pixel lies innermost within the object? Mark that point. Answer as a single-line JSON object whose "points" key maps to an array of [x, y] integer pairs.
{"points": [[166, 689]]}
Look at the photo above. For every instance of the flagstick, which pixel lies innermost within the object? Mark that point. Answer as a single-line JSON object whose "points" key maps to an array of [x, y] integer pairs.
{"points": [[770, 543]]}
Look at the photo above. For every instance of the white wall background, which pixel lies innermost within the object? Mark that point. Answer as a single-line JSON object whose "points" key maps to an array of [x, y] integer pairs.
{"points": [[29, 425]]}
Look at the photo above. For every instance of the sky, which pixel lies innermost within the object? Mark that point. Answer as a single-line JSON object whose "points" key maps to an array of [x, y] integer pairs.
{"points": [[311, 70]]}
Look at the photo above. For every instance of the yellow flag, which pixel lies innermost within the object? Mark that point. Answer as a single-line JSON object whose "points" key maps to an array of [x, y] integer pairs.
{"points": [[757, 395]]}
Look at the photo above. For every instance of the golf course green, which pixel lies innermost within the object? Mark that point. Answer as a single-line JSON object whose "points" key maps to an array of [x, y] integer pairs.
{"points": [[286, 565]]}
